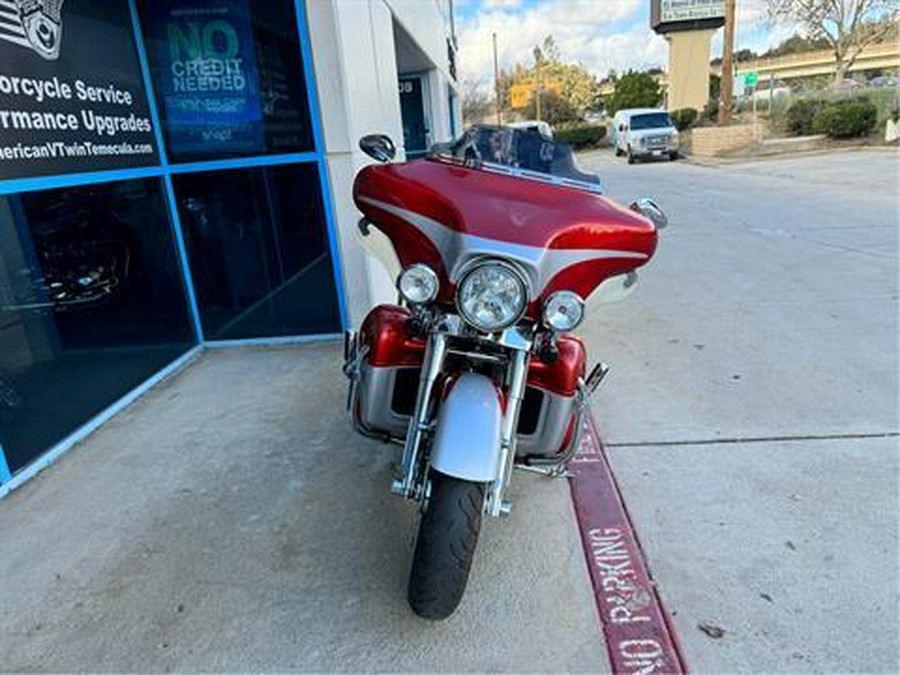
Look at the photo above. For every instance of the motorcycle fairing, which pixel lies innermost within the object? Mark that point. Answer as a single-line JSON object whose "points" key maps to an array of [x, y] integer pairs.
{"points": [[445, 215]]}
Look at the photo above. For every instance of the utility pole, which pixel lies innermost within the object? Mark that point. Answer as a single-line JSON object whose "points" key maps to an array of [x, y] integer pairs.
{"points": [[537, 89], [727, 84], [496, 80]]}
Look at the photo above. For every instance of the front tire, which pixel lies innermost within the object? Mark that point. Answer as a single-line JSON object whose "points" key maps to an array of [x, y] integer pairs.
{"points": [[445, 548], [631, 158]]}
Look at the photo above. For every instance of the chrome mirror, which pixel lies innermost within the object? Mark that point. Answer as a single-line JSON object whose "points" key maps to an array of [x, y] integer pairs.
{"points": [[650, 209], [378, 146]]}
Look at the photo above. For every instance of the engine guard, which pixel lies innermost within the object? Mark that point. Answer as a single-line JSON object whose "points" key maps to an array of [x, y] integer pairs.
{"points": [[468, 433]]}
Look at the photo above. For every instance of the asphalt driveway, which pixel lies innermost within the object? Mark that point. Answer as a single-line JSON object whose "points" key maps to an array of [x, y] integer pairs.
{"points": [[751, 413]]}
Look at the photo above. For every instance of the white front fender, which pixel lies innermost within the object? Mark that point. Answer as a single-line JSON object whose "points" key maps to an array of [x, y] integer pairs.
{"points": [[467, 438]]}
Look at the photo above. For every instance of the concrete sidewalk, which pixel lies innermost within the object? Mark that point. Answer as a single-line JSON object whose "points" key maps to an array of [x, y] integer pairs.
{"points": [[230, 520]]}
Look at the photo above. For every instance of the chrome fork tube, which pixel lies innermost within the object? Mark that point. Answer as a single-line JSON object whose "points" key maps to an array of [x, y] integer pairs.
{"points": [[418, 423], [496, 502]]}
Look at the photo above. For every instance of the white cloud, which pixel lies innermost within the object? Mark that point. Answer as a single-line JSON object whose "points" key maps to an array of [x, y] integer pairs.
{"points": [[576, 25], [600, 35], [754, 30], [502, 4]]}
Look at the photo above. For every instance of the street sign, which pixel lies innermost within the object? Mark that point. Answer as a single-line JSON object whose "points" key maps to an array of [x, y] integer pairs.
{"points": [[520, 95], [751, 79]]}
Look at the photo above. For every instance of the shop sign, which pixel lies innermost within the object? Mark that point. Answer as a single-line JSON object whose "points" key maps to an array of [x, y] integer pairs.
{"points": [[72, 98], [668, 16]]}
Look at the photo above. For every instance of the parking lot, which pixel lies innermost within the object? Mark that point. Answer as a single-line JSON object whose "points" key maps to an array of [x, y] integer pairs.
{"points": [[230, 520]]}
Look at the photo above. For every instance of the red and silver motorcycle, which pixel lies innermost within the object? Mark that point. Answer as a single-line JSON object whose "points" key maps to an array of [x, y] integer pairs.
{"points": [[499, 241]]}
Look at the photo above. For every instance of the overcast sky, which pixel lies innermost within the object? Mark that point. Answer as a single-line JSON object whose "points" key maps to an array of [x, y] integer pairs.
{"points": [[601, 34]]}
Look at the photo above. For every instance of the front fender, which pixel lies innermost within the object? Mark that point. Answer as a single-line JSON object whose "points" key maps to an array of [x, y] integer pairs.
{"points": [[467, 437]]}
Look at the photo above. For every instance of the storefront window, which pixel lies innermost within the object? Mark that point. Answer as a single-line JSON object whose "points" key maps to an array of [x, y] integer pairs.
{"points": [[72, 98], [91, 305], [258, 251], [228, 77]]}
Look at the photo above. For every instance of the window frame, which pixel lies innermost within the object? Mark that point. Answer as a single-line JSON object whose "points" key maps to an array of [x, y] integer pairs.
{"points": [[164, 172]]}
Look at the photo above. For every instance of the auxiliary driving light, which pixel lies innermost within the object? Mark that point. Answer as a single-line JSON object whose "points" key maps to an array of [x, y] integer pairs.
{"points": [[418, 284], [563, 311]]}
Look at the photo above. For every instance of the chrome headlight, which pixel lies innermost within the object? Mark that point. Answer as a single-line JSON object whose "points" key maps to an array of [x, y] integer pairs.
{"points": [[563, 311], [492, 296], [418, 284]]}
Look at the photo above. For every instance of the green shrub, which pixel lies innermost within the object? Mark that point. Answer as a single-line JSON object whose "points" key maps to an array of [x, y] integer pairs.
{"points": [[634, 90], [581, 137], [846, 119], [711, 110], [800, 115], [683, 118]]}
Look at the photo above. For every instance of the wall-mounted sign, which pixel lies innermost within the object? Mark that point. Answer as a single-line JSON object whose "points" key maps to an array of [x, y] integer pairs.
{"points": [[667, 16], [72, 97], [207, 76]]}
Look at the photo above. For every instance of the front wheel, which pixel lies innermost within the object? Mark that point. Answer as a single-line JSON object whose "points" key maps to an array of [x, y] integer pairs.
{"points": [[631, 157], [448, 534]]}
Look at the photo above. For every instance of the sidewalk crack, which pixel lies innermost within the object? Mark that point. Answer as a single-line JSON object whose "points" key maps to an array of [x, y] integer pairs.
{"points": [[753, 439]]}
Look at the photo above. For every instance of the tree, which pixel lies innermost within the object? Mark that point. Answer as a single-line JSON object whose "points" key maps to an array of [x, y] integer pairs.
{"points": [[577, 91], [796, 44], [476, 103], [634, 90], [848, 26], [740, 56], [555, 109]]}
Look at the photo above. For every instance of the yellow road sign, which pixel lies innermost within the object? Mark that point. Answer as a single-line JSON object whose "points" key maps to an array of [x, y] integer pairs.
{"points": [[520, 95]]}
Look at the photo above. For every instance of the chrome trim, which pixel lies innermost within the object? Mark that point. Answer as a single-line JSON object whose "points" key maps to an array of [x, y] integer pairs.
{"points": [[516, 337], [494, 504], [376, 393], [477, 356], [418, 423], [553, 423], [650, 210], [596, 376], [558, 466]]}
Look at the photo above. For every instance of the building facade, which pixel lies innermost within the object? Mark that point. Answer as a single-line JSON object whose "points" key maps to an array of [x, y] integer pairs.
{"points": [[176, 174]]}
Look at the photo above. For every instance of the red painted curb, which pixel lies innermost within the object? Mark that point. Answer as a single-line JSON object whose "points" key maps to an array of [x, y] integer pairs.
{"points": [[638, 633]]}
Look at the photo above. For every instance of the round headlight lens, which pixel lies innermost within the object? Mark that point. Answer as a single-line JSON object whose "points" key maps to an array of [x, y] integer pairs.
{"points": [[563, 310], [418, 284], [491, 297]]}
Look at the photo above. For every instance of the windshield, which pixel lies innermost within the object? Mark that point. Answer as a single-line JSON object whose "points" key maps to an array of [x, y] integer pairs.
{"points": [[524, 153], [658, 120]]}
